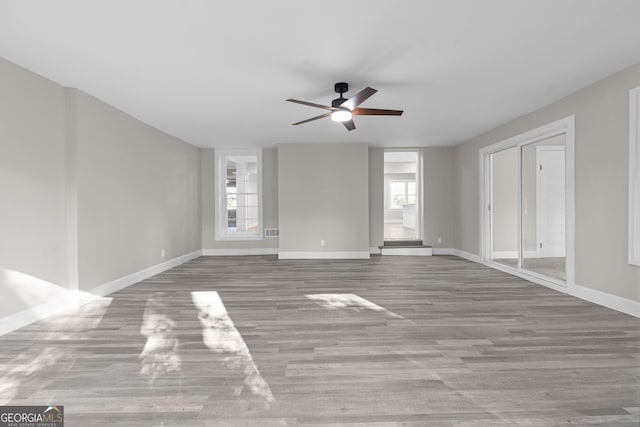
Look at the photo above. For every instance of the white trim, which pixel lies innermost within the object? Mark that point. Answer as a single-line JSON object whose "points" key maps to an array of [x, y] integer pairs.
{"points": [[634, 176], [419, 174], [240, 252], [513, 254], [68, 301], [391, 250], [324, 255], [528, 275], [467, 255], [420, 194], [504, 255], [564, 126], [123, 282], [613, 302], [443, 251], [221, 232], [71, 299], [374, 250], [595, 296]]}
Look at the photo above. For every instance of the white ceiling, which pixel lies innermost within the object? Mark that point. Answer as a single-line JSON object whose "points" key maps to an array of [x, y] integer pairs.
{"points": [[217, 74]]}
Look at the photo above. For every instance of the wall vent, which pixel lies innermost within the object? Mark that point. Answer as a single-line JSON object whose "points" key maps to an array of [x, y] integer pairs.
{"points": [[271, 232]]}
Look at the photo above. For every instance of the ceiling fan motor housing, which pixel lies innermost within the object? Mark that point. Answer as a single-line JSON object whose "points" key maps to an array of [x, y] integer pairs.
{"points": [[340, 88]]}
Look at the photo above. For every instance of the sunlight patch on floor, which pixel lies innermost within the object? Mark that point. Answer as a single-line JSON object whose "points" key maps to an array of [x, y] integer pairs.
{"points": [[221, 336], [160, 352], [28, 364], [348, 301]]}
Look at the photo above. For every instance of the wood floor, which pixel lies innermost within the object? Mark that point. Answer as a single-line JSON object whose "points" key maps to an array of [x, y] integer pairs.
{"points": [[397, 231], [391, 341]]}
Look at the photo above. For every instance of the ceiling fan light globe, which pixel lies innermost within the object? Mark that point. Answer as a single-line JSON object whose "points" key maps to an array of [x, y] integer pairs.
{"points": [[341, 115]]}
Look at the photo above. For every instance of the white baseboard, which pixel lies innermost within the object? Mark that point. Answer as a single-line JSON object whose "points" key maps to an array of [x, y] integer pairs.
{"points": [[443, 251], [72, 299], [68, 300], [466, 255], [240, 252], [513, 254], [374, 250], [604, 299], [526, 276], [504, 255], [123, 282], [614, 302], [324, 255]]}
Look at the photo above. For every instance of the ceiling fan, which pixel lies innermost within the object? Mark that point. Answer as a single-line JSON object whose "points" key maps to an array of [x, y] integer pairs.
{"points": [[343, 109]]}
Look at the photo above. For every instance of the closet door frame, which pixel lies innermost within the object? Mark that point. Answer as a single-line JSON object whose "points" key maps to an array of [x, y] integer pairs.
{"points": [[564, 126]]}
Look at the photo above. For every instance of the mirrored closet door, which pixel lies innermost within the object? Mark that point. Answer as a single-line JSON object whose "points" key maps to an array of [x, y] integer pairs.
{"points": [[525, 196]]}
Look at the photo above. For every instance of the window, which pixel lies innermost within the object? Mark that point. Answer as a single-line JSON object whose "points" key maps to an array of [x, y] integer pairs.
{"points": [[401, 193], [634, 177], [239, 194]]}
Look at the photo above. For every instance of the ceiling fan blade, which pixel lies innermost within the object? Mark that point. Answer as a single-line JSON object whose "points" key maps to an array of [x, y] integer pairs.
{"points": [[358, 98], [310, 104], [349, 125], [375, 112], [313, 118]]}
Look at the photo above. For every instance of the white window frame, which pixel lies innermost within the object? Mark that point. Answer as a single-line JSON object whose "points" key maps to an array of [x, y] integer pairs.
{"points": [[634, 176], [221, 229], [406, 183]]}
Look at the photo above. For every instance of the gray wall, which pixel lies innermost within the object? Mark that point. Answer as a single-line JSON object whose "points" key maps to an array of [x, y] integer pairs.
{"points": [[269, 200], [138, 193], [376, 197], [601, 180], [33, 221], [323, 194], [438, 196], [89, 194]]}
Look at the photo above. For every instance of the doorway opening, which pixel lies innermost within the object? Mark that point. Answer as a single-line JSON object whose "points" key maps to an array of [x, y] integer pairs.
{"points": [[402, 201], [528, 204]]}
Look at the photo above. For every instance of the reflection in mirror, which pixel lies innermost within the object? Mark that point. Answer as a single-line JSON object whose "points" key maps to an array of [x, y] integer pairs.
{"points": [[160, 353], [220, 335], [504, 207], [543, 207]]}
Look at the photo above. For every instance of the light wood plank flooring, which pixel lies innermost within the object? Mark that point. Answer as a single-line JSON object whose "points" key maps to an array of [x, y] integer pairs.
{"points": [[418, 341]]}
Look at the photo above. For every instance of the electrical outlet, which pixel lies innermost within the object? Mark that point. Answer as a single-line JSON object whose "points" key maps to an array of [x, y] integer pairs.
{"points": [[322, 242], [162, 253], [439, 239]]}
